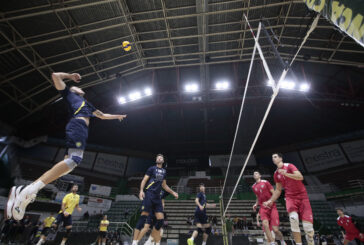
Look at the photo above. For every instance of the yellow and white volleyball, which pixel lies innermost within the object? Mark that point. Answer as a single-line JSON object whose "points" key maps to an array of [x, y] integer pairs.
{"points": [[126, 46]]}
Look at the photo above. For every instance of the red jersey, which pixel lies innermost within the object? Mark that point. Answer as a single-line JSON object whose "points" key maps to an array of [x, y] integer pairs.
{"points": [[347, 223], [293, 188], [262, 190]]}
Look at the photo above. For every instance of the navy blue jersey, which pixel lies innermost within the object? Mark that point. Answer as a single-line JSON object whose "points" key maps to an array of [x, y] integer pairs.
{"points": [[79, 107], [164, 194], [202, 200], [156, 177]]}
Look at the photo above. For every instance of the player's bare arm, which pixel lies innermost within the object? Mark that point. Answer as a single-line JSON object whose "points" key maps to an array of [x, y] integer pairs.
{"points": [[210, 205], [142, 185], [197, 201], [256, 203], [276, 194], [105, 116], [168, 189], [58, 78], [79, 209], [296, 174]]}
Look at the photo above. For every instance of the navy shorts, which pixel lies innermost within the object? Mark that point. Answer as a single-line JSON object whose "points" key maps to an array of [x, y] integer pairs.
{"points": [[76, 134], [46, 231], [152, 204], [67, 221], [200, 218], [151, 220]]}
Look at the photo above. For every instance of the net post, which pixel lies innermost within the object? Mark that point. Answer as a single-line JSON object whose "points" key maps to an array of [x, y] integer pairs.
{"points": [[223, 223]]}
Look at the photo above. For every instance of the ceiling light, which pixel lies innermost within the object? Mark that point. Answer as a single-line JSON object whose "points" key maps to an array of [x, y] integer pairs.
{"points": [[135, 95], [191, 88], [270, 83], [222, 85], [288, 84], [148, 91], [122, 100], [304, 87]]}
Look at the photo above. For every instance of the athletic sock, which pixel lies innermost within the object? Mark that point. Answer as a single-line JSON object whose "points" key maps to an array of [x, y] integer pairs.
{"points": [[298, 243], [272, 243], [135, 242], [203, 243], [34, 187], [283, 242], [157, 243], [40, 242], [63, 242]]}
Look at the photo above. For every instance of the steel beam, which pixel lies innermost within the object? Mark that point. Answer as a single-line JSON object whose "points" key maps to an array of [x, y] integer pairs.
{"points": [[171, 48], [126, 14], [43, 12]]}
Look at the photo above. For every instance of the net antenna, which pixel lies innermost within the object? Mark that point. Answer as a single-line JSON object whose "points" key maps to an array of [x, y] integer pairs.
{"points": [[275, 87]]}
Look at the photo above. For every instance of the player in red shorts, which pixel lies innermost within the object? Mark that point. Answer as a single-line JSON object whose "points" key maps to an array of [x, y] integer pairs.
{"points": [[269, 215], [298, 206], [347, 223]]}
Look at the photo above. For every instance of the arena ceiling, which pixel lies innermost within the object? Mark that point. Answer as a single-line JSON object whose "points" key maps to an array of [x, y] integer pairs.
{"points": [[173, 41]]}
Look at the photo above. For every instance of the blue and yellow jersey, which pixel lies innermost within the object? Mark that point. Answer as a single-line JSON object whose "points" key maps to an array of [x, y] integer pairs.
{"points": [[70, 201]]}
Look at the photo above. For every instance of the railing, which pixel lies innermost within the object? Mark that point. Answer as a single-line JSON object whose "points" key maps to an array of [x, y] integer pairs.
{"points": [[82, 226]]}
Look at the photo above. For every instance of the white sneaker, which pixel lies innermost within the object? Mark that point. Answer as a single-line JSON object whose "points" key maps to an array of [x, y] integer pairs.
{"points": [[10, 203], [22, 200], [148, 242]]}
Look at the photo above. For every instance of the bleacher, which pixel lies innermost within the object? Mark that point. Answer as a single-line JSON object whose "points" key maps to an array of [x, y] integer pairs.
{"points": [[115, 214], [325, 214]]}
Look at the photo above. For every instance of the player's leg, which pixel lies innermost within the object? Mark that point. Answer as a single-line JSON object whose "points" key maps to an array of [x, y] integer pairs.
{"points": [[265, 217], [346, 241], [307, 221], [43, 236], [140, 224], [41, 240], [24, 196], [292, 206], [158, 225], [67, 235], [267, 231], [197, 231], [76, 136], [104, 238], [144, 230], [206, 232], [274, 223]]}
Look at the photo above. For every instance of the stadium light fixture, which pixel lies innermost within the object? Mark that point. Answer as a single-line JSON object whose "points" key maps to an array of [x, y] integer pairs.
{"points": [[304, 87], [291, 85], [288, 84], [191, 88], [270, 83], [148, 91], [122, 100], [223, 85], [135, 95]]}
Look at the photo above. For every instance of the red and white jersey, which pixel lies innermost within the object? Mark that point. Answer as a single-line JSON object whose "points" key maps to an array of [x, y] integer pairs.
{"points": [[347, 223], [262, 190], [293, 188]]}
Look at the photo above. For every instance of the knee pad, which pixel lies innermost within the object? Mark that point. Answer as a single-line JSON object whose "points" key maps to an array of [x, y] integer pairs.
{"points": [[294, 221], [199, 230], [208, 230], [308, 228], [141, 222], [74, 158], [159, 224], [68, 233]]}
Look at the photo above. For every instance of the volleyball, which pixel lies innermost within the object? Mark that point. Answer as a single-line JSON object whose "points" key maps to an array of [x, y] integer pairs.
{"points": [[126, 46]]}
